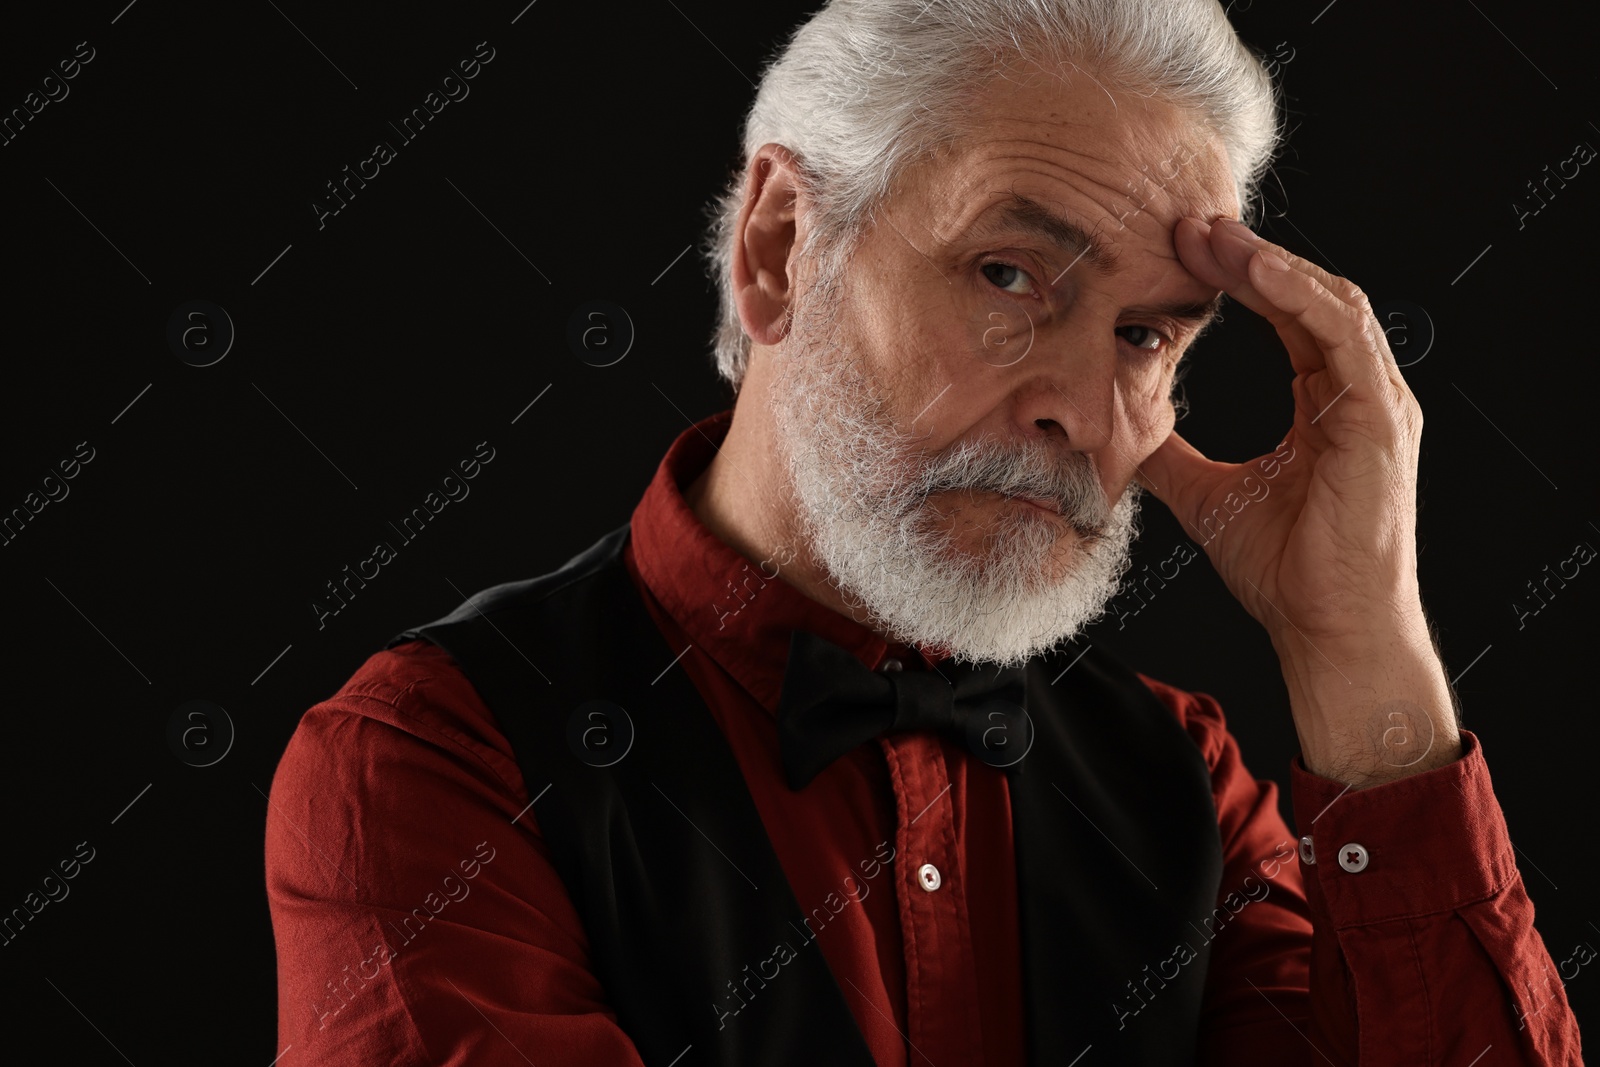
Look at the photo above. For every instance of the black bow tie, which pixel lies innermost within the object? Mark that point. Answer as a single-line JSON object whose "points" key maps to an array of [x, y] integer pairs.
{"points": [[831, 703]]}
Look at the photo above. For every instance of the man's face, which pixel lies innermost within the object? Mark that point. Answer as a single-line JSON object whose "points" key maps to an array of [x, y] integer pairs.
{"points": [[967, 357]]}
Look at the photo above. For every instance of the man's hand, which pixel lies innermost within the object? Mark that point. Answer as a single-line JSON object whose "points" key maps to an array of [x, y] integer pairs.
{"points": [[1325, 559]]}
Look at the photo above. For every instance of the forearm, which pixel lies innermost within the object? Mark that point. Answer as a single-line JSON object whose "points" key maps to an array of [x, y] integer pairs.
{"points": [[1373, 707]]}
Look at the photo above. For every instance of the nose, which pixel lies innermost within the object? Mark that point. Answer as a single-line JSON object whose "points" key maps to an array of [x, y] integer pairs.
{"points": [[1071, 395]]}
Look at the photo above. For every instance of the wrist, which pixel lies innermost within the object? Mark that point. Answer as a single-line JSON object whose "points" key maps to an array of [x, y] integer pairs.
{"points": [[1373, 709]]}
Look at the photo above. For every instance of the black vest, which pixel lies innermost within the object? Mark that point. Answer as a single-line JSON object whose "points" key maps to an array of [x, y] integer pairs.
{"points": [[1118, 855]]}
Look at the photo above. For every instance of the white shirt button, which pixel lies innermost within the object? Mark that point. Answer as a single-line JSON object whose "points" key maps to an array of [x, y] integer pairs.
{"points": [[891, 664], [1308, 852], [928, 877], [1353, 858]]}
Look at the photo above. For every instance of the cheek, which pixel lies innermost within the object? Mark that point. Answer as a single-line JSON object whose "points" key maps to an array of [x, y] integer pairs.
{"points": [[924, 348], [1147, 406]]}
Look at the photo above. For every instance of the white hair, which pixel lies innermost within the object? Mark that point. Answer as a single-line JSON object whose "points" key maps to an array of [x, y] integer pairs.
{"points": [[866, 88]]}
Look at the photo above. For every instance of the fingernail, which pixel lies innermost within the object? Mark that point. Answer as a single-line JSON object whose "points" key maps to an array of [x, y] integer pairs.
{"points": [[1235, 226], [1200, 224], [1271, 260]]}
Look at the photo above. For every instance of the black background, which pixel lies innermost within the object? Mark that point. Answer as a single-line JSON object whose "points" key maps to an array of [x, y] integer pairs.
{"points": [[378, 350]]}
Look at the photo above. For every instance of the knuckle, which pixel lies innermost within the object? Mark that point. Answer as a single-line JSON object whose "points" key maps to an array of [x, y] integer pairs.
{"points": [[1346, 290], [1407, 424], [1370, 331]]}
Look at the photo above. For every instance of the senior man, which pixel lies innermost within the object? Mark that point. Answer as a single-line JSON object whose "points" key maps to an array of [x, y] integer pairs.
{"points": [[822, 687]]}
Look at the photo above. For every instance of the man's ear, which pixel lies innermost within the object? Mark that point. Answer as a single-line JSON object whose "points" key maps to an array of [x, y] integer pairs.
{"points": [[763, 243]]}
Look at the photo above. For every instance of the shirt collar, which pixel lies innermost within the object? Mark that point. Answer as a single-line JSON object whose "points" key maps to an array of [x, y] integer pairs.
{"points": [[739, 611]]}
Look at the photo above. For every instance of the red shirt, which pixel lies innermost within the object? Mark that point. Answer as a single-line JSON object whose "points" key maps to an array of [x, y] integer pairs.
{"points": [[419, 920]]}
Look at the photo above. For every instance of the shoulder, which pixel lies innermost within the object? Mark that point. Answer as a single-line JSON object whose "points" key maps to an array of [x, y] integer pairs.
{"points": [[1198, 713], [1248, 815], [407, 712]]}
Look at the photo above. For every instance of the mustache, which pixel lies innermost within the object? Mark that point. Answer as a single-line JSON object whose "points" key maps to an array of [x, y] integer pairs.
{"points": [[1068, 482]]}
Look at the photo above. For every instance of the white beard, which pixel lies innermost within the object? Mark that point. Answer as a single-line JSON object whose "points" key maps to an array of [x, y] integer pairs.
{"points": [[861, 483]]}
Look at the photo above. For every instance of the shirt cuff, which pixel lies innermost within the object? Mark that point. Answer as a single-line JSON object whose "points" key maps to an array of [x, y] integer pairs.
{"points": [[1426, 844]]}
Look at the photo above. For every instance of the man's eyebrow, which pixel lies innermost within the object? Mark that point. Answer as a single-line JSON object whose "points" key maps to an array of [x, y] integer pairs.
{"points": [[1198, 314], [1026, 215]]}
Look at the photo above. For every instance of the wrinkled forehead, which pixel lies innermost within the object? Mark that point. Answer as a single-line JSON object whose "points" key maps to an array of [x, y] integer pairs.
{"points": [[1106, 155]]}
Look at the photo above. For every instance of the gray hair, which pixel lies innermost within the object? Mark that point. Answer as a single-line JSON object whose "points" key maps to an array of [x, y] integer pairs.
{"points": [[866, 88]]}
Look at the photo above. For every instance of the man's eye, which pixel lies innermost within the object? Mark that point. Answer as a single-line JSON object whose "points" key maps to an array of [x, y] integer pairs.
{"points": [[1146, 338], [1004, 276]]}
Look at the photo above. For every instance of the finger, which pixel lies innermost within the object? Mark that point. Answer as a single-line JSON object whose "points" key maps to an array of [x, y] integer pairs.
{"points": [[1235, 243], [1236, 247], [1198, 252], [1354, 350]]}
